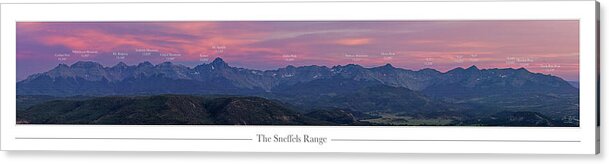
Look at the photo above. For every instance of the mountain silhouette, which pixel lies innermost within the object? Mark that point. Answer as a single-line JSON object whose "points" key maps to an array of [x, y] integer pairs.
{"points": [[303, 95], [91, 78]]}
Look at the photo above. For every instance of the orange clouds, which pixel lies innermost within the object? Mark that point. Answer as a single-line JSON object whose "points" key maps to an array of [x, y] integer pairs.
{"points": [[92, 39], [472, 44], [190, 27], [354, 41]]}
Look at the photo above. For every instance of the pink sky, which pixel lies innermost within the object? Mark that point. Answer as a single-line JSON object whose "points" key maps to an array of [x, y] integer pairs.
{"points": [[549, 47]]}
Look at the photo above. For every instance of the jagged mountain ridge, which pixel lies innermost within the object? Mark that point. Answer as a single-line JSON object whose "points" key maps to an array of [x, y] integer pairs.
{"points": [[385, 91], [86, 77]]}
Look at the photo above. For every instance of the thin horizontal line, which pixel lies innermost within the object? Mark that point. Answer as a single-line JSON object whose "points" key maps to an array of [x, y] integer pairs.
{"points": [[297, 126], [299, 20], [182, 2], [399, 140], [82, 138], [219, 2]]}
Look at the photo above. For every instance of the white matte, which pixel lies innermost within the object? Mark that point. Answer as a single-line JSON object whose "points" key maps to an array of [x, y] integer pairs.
{"points": [[496, 10]]}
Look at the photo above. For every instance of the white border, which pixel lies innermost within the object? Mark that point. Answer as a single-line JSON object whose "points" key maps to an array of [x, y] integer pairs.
{"points": [[530, 140]]}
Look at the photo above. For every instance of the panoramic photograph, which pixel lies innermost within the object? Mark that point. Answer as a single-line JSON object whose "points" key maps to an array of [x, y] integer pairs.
{"points": [[508, 73]]}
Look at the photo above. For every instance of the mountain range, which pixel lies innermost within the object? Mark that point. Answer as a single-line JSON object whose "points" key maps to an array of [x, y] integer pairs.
{"points": [[217, 77], [461, 96]]}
